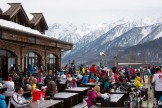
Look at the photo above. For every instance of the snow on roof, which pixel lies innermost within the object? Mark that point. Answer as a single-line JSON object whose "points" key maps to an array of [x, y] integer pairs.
{"points": [[4, 6], [13, 25]]}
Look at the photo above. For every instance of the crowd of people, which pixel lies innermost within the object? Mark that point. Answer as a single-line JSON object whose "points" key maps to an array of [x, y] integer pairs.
{"points": [[43, 85]]}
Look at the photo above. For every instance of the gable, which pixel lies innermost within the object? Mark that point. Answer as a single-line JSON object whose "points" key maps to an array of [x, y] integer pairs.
{"points": [[39, 18], [16, 14], [38, 22]]}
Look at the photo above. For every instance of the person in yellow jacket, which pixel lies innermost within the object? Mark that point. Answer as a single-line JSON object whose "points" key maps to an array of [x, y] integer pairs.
{"points": [[138, 83], [139, 86], [34, 83], [83, 70], [34, 86]]}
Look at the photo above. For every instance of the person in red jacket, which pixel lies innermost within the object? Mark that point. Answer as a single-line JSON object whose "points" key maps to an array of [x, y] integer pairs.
{"points": [[93, 69], [39, 93], [116, 77]]}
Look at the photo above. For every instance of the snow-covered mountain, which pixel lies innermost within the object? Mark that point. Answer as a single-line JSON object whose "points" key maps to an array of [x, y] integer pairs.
{"points": [[92, 39], [72, 33], [155, 34]]}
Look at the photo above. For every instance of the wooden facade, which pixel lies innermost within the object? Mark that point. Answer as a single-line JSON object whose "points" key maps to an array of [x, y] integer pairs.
{"points": [[21, 48]]}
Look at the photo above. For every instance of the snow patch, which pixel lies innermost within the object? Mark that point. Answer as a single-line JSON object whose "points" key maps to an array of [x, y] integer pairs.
{"points": [[158, 35], [13, 25]]}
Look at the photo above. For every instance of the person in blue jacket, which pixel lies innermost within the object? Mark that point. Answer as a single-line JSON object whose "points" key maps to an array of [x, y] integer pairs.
{"points": [[31, 70], [2, 98], [94, 77], [85, 79]]}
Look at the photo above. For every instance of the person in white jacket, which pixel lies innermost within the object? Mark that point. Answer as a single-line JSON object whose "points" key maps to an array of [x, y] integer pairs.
{"points": [[9, 85], [157, 79], [18, 100]]}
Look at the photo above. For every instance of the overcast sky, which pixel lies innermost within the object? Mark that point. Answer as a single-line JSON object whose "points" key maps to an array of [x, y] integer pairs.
{"points": [[91, 11]]}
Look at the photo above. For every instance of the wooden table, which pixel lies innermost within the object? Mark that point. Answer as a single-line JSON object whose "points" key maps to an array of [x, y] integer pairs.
{"points": [[81, 90], [61, 86], [126, 93], [91, 85], [116, 100], [45, 104], [119, 92], [70, 99]]}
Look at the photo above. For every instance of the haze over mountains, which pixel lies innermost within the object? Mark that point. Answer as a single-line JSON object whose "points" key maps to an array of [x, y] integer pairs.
{"points": [[127, 39]]}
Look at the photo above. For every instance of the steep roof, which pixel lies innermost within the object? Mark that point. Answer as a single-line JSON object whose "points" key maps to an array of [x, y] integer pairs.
{"points": [[37, 18], [32, 19], [14, 9]]}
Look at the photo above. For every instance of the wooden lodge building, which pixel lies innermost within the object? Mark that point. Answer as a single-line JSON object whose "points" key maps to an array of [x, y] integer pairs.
{"points": [[22, 41]]}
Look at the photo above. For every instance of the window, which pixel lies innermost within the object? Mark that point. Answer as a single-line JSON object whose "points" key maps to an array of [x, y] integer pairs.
{"points": [[51, 62], [31, 58], [7, 61]]}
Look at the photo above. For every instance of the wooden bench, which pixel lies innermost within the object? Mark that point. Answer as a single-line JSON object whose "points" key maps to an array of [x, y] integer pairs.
{"points": [[116, 100], [70, 99], [81, 90]]}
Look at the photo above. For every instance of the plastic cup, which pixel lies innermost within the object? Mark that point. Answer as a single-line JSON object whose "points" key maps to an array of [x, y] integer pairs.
{"points": [[38, 102], [50, 101], [112, 90], [43, 99]]}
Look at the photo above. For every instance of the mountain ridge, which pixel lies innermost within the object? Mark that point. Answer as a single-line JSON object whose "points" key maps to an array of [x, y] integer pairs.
{"points": [[121, 34]]}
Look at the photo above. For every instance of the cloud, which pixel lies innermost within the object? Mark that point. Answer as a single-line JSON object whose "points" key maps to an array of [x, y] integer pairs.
{"points": [[80, 11]]}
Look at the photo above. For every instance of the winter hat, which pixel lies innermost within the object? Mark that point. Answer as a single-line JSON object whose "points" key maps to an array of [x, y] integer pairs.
{"points": [[43, 87], [9, 78]]}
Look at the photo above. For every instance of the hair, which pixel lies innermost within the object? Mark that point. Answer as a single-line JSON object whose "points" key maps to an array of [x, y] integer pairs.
{"points": [[18, 89], [34, 80], [69, 75], [48, 78], [138, 74], [50, 71], [39, 86], [96, 88], [107, 79], [158, 69]]}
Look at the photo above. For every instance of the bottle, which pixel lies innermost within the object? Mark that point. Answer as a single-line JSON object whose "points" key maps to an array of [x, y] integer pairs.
{"points": [[118, 89], [41, 97], [41, 101]]}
